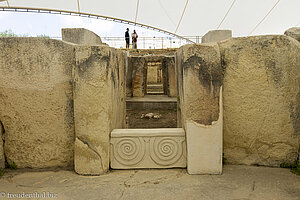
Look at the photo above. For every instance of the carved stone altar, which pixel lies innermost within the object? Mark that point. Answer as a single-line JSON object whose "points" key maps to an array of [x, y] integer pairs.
{"points": [[148, 148]]}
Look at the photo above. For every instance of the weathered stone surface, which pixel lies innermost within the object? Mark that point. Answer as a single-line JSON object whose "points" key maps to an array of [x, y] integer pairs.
{"points": [[294, 33], [216, 36], [148, 148], [36, 101], [99, 105], [87, 160], [169, 64], [138, 76], [205, 146], [261, 100], [237, 182], [200, 77], [2, 157], [80, 36], [152, 74]]}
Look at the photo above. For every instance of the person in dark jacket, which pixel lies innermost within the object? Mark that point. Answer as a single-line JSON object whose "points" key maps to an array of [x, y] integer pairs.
{"points": [[127, 38]]}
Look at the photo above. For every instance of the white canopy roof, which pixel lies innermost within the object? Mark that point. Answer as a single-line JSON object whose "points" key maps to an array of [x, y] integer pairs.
{"points": [[181, 17]]}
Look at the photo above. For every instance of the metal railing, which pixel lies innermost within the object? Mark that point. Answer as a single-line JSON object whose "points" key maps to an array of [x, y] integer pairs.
{"points": [[151, 42]]}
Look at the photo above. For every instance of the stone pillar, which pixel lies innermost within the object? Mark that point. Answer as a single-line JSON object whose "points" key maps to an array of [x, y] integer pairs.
{"points": [[199, 84], [96, 78], [169, 63], [138, 76], [216, 36]]}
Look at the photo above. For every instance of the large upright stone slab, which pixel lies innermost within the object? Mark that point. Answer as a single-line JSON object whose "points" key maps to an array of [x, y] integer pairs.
{"points": [[99, 105], [80, 36], [36, 101], [216, 36], [261, 100], [200, 77]]}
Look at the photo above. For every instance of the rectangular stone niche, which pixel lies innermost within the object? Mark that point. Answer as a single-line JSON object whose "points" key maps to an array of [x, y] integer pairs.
{"points": [[148, 148]]}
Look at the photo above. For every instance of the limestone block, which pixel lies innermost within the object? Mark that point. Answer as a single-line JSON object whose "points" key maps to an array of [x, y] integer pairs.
{"points": [[36, 101], [200, 76], [216, 36], [294, 33], [261, 100], [80, 36], [205, 146], [148, 148], [98, 91], [87, 160]]}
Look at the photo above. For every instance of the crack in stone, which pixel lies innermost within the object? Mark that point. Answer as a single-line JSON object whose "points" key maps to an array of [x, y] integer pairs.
{"points": [[28, 186], [93, 149], [253, 186], [126, 185], [156, 181]]}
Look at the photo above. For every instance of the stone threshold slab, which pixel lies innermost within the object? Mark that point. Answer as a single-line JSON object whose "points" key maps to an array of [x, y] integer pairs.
{"points": [[152, 98], [148, 148], [154, 132]]}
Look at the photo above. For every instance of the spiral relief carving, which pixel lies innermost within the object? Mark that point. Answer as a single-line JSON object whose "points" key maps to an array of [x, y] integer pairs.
{"points": [[165, 150], [129, 151]]}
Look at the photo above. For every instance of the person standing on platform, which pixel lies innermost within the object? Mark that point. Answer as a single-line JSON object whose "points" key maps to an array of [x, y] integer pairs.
{"points": [[127, 38], [134, 37]]}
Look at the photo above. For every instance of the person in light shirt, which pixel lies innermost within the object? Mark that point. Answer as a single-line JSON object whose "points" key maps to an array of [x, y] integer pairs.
{"points": [[134, 38]]}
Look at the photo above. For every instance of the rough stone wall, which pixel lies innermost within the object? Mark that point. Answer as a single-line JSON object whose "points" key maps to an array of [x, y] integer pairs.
{"points": [[80, 36], [98, 105], [36, 101], [261, 100]]}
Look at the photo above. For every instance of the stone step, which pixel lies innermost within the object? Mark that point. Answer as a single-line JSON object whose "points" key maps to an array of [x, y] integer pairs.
{"points": [[151, 102], [160, 86], [155, 92]]}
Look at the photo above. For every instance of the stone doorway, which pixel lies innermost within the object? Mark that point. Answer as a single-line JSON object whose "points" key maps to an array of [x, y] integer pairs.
{"points": [[151, 92], [155, 83]]}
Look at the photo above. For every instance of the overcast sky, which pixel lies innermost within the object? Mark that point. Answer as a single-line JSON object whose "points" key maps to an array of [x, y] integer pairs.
{"points": [[33, 24], [200, 16]]}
